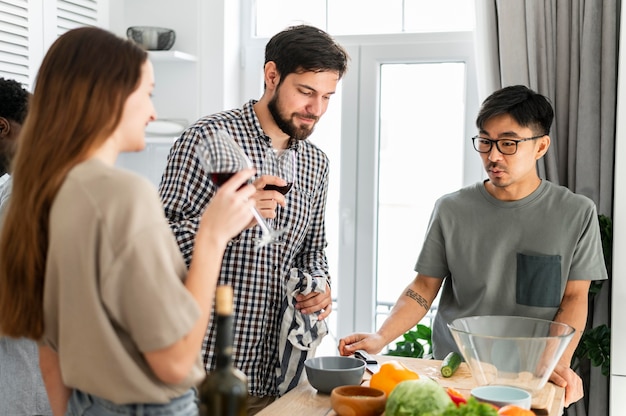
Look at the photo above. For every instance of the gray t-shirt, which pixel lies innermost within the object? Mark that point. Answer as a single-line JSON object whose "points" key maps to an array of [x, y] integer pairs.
{"points": [[508, 257], [114, 286], [22, 391]]}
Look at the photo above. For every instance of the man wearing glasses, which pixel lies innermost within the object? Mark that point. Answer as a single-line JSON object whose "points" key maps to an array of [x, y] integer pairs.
{"points": [[512, 245]]}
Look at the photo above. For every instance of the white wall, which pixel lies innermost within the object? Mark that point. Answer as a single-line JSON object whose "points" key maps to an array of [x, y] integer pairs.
{"points": [[209, 30]]}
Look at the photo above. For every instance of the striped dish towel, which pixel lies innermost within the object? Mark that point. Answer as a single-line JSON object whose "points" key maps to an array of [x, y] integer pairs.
{"points": [[300, 334]]}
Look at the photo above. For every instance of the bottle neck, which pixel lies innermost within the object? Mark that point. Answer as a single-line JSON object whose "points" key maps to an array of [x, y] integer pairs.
{"points": [[224, 341]]}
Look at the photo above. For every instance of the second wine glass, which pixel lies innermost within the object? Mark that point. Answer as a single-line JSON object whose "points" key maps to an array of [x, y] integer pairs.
{"points": [[281, 163], [222, 157]]}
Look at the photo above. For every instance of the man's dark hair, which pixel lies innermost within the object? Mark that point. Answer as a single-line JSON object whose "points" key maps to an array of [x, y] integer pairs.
{"points": [[528, 108], [305, 48], [13, 100]]}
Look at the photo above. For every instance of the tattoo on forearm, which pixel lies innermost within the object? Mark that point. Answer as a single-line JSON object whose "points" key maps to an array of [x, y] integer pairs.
{"points": [[417, 298]]}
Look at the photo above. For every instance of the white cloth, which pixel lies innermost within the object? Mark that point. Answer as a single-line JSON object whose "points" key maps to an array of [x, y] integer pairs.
{"points": [[300, 334]]}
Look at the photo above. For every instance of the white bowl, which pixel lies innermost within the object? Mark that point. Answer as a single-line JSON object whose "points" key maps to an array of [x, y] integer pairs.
{"points": [[502, 395]]}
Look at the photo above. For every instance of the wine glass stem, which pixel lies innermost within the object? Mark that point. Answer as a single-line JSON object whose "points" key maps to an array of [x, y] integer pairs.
{"points": [[259, 219]]}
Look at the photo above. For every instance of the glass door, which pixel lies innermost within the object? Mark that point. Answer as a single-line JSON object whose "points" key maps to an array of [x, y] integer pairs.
{"points": [[407, 114], [420, 157]]}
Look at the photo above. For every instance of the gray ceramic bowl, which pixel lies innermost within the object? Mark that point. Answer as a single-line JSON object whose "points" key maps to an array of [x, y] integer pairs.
{"points": [[326, 373], [152, 38]]}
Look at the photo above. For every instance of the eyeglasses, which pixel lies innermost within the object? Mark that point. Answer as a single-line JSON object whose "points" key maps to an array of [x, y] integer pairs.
{"points": [[504, 146]]}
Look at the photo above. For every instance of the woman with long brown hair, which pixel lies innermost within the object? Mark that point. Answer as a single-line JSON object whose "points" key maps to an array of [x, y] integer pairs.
{"points": [[88, 264]]}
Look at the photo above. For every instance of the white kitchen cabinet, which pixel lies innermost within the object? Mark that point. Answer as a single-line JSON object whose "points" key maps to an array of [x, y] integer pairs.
{"points": [[29, 27]]}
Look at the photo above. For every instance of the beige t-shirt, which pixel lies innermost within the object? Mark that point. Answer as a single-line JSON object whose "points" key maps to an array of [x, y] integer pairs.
{"points": [[114, 286]]}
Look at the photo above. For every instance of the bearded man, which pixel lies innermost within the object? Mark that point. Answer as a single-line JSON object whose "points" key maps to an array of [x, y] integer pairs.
{"points": [[303, 66]]}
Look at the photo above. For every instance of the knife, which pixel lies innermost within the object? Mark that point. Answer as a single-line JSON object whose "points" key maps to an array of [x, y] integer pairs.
{"points": [[370, 362]]}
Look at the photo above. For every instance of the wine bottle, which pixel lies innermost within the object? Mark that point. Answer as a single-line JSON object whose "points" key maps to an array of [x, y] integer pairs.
{"points": [[224, 391]]}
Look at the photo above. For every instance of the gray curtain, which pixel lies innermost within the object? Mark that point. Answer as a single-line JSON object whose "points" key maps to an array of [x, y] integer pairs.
{"points": [[566, 50]]}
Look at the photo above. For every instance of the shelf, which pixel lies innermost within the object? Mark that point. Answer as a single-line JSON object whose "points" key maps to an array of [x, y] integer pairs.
{"points": [[171, 56], [169, 140]]}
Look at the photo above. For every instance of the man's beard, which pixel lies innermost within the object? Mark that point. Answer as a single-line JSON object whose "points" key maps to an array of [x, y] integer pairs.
{"points": [[287, 125]]}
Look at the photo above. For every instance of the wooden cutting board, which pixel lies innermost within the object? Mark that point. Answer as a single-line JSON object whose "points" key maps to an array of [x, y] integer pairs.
{"points": [[305, 400], [463, 382]]}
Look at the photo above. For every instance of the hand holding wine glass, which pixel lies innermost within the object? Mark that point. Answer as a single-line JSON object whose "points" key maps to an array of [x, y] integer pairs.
{"points": [[221, 158], [228, 213]]}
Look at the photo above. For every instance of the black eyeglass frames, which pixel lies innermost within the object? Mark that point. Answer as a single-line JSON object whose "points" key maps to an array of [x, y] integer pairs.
{"points": [[504, 146]]}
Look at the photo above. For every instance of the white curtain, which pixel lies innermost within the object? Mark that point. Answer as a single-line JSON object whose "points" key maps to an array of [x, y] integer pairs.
{"points": [[566, 50]]}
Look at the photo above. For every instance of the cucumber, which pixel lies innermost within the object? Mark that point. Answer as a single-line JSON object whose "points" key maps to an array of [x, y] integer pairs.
{"points": [[450, 364]]}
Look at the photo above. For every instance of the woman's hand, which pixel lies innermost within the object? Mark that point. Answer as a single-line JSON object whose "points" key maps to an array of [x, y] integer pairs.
{"points": [[230, 210]]}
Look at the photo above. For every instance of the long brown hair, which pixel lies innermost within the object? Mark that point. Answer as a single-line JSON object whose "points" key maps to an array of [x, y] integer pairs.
{"points": [[82, 85]]}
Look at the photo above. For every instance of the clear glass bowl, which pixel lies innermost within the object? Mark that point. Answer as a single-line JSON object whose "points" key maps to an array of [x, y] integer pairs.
{"points": [[511, 350]]}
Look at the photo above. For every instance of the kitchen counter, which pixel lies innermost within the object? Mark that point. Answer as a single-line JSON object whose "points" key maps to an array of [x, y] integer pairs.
{"points": [[306, 401]]}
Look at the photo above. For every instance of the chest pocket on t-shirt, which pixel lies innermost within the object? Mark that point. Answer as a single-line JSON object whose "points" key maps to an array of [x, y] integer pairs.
{"points": [[538, 280]]}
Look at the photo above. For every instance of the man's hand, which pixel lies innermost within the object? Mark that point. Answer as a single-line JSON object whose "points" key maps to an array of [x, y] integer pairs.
{"points": [[267, 201], [563, 376], [314, 302], [372, 343]]}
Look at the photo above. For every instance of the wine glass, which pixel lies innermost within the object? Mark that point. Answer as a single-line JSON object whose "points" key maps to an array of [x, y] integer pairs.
{"points": [[281, 163], [221, 157]]}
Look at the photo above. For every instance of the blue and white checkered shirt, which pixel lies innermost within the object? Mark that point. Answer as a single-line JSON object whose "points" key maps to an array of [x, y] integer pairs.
{"points": [[257, 276]]}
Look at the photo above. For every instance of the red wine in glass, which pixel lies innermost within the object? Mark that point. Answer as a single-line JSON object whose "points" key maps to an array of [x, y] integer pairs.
{"points": [[282, 189], [219, 178], [281, 163]]}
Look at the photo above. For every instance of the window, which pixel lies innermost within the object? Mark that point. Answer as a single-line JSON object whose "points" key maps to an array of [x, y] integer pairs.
{"points": [[405, 117], [420, 158], [365, 17]]}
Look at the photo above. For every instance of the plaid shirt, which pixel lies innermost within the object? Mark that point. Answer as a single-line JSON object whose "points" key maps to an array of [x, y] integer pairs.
{"points": [[258, 276]]}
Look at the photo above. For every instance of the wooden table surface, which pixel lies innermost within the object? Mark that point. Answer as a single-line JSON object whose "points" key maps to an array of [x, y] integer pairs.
{"points": [[304, 400]]}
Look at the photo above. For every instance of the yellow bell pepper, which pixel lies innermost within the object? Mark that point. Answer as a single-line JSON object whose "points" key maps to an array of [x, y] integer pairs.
{"points": [[390, 374]]}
